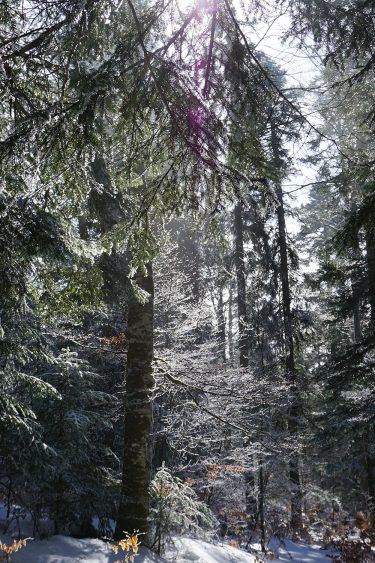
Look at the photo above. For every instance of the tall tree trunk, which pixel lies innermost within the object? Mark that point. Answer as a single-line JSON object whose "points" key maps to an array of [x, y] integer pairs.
{"points": [[370, 476], [239, 261], [221, 323], [261, 504], [370, 462], [243, 342], [261, 476], [370, 254], [291, 372], [230, 324], [134, 505], [356, 287], [357, 331], [161, 450]]}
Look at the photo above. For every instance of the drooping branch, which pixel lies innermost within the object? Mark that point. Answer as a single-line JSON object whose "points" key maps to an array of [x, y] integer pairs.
{"points": [[266, 74], [210, 51]]}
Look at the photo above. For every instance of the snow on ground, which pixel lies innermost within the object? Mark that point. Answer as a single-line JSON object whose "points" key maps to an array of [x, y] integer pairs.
{"points": [[302, 553], [187, 549], [63, 549]]}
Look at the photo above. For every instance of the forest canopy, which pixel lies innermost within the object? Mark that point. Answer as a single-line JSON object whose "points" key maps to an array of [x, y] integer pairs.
{"points": [[187, 270]]}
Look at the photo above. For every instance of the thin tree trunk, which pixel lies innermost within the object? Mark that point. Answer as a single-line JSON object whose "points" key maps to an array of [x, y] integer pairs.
{"points": [[134, 507], [262, 488], [357, 331], [356, 292], [221, 323], [243, 341], [251, 500], [230, 324], [356, 289], [291, 372], [370, 474], [239, 260], [261, 504], [370, 463], [370, 253]]}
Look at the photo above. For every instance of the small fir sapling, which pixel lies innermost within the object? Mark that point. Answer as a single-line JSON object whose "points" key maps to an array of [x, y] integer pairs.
{"points": [[81, 480], [177, 510]]}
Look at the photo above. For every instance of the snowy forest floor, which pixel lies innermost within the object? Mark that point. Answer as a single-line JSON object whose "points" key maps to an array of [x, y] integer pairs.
{"points": [[63, 549]]}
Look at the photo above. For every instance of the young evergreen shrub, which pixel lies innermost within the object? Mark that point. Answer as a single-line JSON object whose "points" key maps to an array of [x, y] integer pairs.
{"points": [[80, 480], [177, 510]]}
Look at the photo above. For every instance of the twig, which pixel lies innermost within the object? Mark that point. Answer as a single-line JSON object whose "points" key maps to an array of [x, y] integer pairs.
{"points": [[96, 347]]}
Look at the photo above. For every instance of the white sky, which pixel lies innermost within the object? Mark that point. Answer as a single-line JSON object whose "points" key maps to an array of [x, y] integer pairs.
{"points": [[303, 67]]}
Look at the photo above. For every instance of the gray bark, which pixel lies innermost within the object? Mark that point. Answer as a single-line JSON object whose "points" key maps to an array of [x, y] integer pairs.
{"points": [[221, 323], [230, 324], [370, 462], [370, 255], [296, 521], [356, 290], [134, 505], [239, 261], [243, 341]]}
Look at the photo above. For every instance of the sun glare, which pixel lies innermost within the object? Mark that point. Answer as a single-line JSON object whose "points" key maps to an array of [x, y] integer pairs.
{"points": [[190, 4], [183, 4]]}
